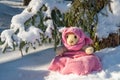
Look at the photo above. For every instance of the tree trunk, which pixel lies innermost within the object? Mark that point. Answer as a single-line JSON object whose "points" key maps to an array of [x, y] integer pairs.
{"points": [[26, 2], [112, 40]]}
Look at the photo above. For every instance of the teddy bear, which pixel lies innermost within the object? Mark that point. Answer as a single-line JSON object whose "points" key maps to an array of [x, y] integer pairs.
{"points": [[72, 40], [76, 55]]}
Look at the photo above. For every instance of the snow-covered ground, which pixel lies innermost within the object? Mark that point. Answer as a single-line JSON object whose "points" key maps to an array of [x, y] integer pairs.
{"points": [[6, 13], [33, 66], [13, 3]]}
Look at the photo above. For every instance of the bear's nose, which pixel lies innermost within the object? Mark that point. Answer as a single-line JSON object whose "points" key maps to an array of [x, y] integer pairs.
{"points": [[71, 41]]}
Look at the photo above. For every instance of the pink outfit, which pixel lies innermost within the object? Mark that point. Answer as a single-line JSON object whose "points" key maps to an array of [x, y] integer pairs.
{"points": [[75, 60]]}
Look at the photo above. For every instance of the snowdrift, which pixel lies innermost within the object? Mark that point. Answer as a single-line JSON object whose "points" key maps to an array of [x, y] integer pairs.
{"points": [[34, 66]]}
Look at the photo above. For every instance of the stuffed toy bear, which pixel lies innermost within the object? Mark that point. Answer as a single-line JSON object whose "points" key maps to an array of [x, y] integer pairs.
{"points": [[76, 55]]}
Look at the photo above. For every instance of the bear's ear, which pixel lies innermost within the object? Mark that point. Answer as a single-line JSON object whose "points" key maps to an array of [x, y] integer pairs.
{"points": [[62, 29]]}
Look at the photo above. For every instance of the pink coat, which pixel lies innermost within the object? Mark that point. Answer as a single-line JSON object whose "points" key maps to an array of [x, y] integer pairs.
{"points": [[75, 60]]}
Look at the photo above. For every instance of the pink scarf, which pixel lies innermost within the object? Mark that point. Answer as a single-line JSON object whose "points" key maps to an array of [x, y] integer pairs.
{"points": [[83, 39]]}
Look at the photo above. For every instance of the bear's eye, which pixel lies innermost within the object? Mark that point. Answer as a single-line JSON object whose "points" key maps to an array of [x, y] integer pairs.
{"points": [[67, 36], [75, 37]]}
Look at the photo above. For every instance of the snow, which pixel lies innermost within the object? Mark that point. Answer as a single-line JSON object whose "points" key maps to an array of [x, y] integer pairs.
{"points": [[6, 37], [6, 13], [50, 25], [30, 35], [110, 23], [20, 70], [33, 66], [13, 3]]}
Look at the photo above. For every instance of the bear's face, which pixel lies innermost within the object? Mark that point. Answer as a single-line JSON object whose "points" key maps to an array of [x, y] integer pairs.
{"points": [[71, 39]]}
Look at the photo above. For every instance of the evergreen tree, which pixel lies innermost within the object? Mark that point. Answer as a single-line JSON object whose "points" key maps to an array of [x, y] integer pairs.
{"points": [[26, 2], [82, 13]]}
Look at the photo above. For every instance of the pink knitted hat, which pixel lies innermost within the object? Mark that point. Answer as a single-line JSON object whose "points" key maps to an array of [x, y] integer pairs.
{"points": [[83, 39]]}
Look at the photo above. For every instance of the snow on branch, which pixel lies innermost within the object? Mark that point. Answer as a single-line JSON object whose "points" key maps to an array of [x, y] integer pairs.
{"points": [[31, 34], [9, 39], [110, 23]]}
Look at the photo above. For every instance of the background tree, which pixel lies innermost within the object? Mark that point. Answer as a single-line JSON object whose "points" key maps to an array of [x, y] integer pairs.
{"points": [[26, 2], [82, 13], [37, 24]]}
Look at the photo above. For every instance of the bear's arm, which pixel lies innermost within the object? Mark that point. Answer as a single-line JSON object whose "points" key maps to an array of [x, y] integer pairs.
{"points": [[88, 49], [60, 50]]}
